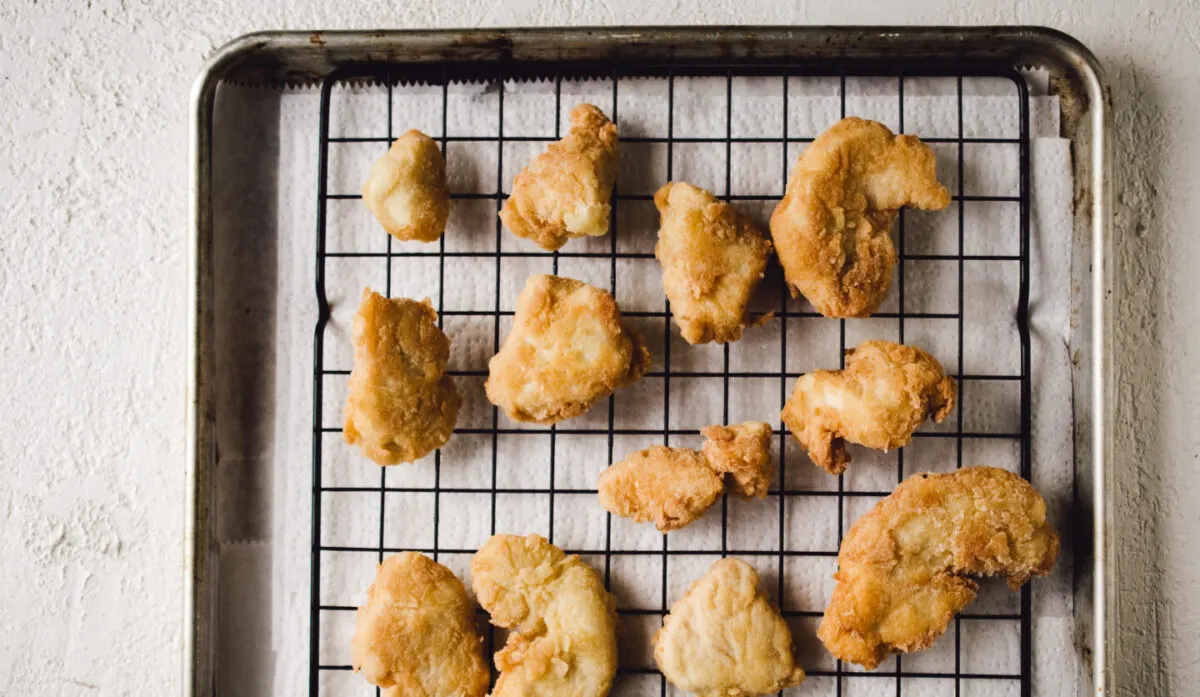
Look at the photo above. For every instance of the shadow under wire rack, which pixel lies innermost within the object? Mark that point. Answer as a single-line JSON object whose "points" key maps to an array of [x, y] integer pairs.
{"points": [[419, 507]]}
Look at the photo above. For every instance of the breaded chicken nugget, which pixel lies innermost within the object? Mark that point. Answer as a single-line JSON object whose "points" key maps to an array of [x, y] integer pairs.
{"points": [[563, 620], [416, 635], [671, 487], [882, 396], [401, 404], [712, 258], [564, 192], [407, 189], [567, 349], [900, 577], [742, 451], [832, 228], [724, 639]]}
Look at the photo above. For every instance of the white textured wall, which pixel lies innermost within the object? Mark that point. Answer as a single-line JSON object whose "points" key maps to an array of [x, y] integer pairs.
{"points": [[93, 254]]}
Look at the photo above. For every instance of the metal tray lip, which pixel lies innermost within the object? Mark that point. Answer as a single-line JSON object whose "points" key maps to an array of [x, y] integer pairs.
{"points": [[1068, 54]]}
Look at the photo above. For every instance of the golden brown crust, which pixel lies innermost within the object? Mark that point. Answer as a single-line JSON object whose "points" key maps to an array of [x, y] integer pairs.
{"points": [[415, 634], [407, 189], [564, 192], [832, 228], [712, 257], [742, 451], [724, 639], [567, 349], [882, 396], [563, 639], [901, 568], [401, 405]]}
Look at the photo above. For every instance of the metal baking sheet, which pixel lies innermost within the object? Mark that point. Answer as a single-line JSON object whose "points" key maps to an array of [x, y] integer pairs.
{"points": [[289, 59]]}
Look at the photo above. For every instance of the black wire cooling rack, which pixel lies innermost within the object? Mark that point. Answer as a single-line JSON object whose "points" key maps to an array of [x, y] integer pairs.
{"points": [[392, 81]]}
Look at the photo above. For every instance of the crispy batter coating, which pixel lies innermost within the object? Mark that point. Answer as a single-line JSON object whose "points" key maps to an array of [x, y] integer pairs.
{"points": [[563, 620], [742, 451], [401, 404], [567, 349], [882, 396], [407, 190], [724, 639], [415, 635], [832, 228], [713, 257], [564, 192], [900, 577], [672, 487]]}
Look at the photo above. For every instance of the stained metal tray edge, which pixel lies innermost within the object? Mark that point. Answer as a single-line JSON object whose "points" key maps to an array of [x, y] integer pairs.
{"points": [[295, 58]]}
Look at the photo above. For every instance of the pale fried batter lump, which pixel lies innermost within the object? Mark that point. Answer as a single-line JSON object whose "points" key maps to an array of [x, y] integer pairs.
{"points": [[724, 639], [671, 487], [564, 192], [713, 257], [407, 190], [567, 349], [882, 396], [901, 568], [415, 635], [563, 640], [832, 228], [401, 404]]}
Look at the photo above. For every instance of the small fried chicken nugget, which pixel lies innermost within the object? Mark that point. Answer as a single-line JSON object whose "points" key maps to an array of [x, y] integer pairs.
{"points": [[567, 349], [670, 487], [832, 228], [878, 400], [901, 568], [713, 257], [401, 404], [724, 639], [563, 620], [564, 192], [416, 634], [742, 451], [407, 190]]}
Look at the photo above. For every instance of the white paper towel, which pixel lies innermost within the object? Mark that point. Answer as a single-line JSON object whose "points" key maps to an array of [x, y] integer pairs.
{"points": [[465, 475]]}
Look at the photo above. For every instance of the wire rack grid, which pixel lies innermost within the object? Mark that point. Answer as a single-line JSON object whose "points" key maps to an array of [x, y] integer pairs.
{"points": [[956, 674]]}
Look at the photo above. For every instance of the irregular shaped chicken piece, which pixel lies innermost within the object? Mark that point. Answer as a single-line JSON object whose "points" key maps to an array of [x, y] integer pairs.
{"points": [[878, 400], [672, 487], [901, 568], [416, 635], [832, 228], [563, 620], [712, 257], [567, 349], [724, 639], [401, 404], [742, 451], [407, 189], [564, 192]]}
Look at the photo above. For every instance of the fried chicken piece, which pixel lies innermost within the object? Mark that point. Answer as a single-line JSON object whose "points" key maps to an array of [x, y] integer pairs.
{"points": [[724, 639], [712, 257], [567, 349], [407, 190], [832, 228], [742, 451], [564, 192], [878, 400], [401, 404], [901, 568], [416, 634], [563, 620], [672, 487]]}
